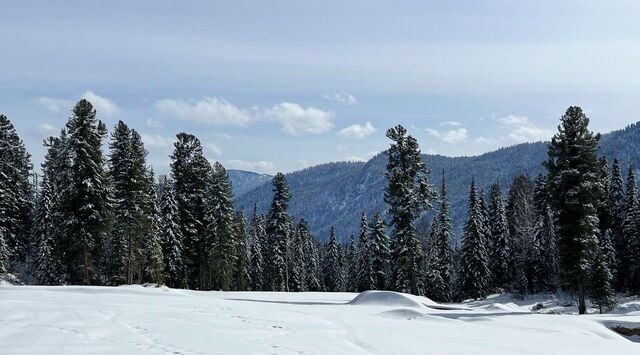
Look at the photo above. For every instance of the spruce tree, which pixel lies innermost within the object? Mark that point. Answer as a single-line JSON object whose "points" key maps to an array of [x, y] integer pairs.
{"points": [[171, 236], [601, 291], [524, 249], [408, 195], [474, 271], [380, 254], [219, 239], [364, 270], [312, 261], [152, 246], [350, 266], [631, 239], [256, 269], [297, 274], [241, 268], [85, 200], [546, 251], [191, 172], [499, 244], [575, 189], [278, 231], [16, 192], [440, 259], [616, 206], [331, 264]]}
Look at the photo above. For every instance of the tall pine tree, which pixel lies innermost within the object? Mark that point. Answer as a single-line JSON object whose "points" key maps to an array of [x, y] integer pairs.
{"points": [[278, 232], [474, 271]]}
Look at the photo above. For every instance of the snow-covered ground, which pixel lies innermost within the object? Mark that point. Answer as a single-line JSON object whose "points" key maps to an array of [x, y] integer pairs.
{"points": [[138, 320]]}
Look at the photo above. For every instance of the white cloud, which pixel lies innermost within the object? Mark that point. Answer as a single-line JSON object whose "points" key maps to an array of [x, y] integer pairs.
{"points": [[153, 123], [358, 131], [431, 151], [522, 130], [224, 136], [156, 141], [55, 105], [451, 123], [103, 105], [214, 148], [260, 166], [296, 120], [344, 98], [482, 139], [211, 110], [450, 136]]}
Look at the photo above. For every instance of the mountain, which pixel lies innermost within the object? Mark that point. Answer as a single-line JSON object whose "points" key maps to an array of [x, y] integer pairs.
{"points": [[336, 193], [243, 181]]}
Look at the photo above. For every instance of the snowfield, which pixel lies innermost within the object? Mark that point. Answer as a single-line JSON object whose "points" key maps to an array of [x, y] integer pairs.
{"points": [[138, 320]]}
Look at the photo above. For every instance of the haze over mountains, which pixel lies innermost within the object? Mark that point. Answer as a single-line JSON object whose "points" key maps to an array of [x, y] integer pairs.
{"points": [[336, 193]]}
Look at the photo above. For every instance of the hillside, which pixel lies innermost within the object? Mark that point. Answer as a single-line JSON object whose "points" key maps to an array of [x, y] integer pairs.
{"points": [[336, 193]]}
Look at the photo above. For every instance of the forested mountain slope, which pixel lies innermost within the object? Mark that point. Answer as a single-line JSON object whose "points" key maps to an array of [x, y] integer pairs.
{"points": [[336, 193]]}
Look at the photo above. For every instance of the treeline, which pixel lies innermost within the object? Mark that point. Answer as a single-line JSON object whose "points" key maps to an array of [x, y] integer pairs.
{"points": [[102, 219]]}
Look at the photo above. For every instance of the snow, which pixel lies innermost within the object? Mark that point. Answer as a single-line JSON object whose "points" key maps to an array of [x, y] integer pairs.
{"points": [[139, 320]]}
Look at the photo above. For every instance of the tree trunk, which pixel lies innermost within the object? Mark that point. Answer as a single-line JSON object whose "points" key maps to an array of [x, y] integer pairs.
{"points": [[582, 308]]}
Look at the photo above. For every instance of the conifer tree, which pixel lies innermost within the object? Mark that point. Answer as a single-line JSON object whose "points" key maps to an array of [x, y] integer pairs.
{"points": [[4, 251], [191, 173], [16, 192], [631, 239], [312, 259], [331, 264], [350, 267], [219, 239], [256, 269], [85, 200], [171, 236], [575, 188], [278, 231], [364, 270], [153, 256], [297, 275], [602, 294], [499, 244], [474, 271], [545, 247], [440, 260], [524, 249], [241, 267], [380, 254], [408, 194], [616, 206]]}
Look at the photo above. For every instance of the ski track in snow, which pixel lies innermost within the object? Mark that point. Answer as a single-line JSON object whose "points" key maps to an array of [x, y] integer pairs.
{"points": [[138, 320]]}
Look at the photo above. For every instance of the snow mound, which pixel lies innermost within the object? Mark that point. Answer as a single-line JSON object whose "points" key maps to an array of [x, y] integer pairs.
{"points": [[389, 298], [506, 307], [403, 313]]}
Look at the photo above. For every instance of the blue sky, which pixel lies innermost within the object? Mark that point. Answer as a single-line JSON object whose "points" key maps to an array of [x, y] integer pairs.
{"points": [[279, 85]]}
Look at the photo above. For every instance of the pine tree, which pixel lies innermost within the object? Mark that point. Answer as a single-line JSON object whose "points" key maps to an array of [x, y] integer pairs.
{"points": [[499, 244], [616, 206], [331, 264], [380, 254], [631, 235], [364, 270], [439, 259], [408, 194], [16, 192], [219, 239], [191, 173], [4, 251], [278, 231], [605, 216], [575, 189], [350, 267], [474, 271], [85, 200], [171, 236]]}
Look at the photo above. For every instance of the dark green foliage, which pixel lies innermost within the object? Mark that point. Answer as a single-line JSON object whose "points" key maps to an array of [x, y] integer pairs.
{"points": [[256, 267], [380, 254], [278, 231], [616, 206], [364, 271], [408, 195], [474, 272], [191, 172], [171, 236], [331, 264], [500, 255], [575, 189], [439, 257], [631, 236]]}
